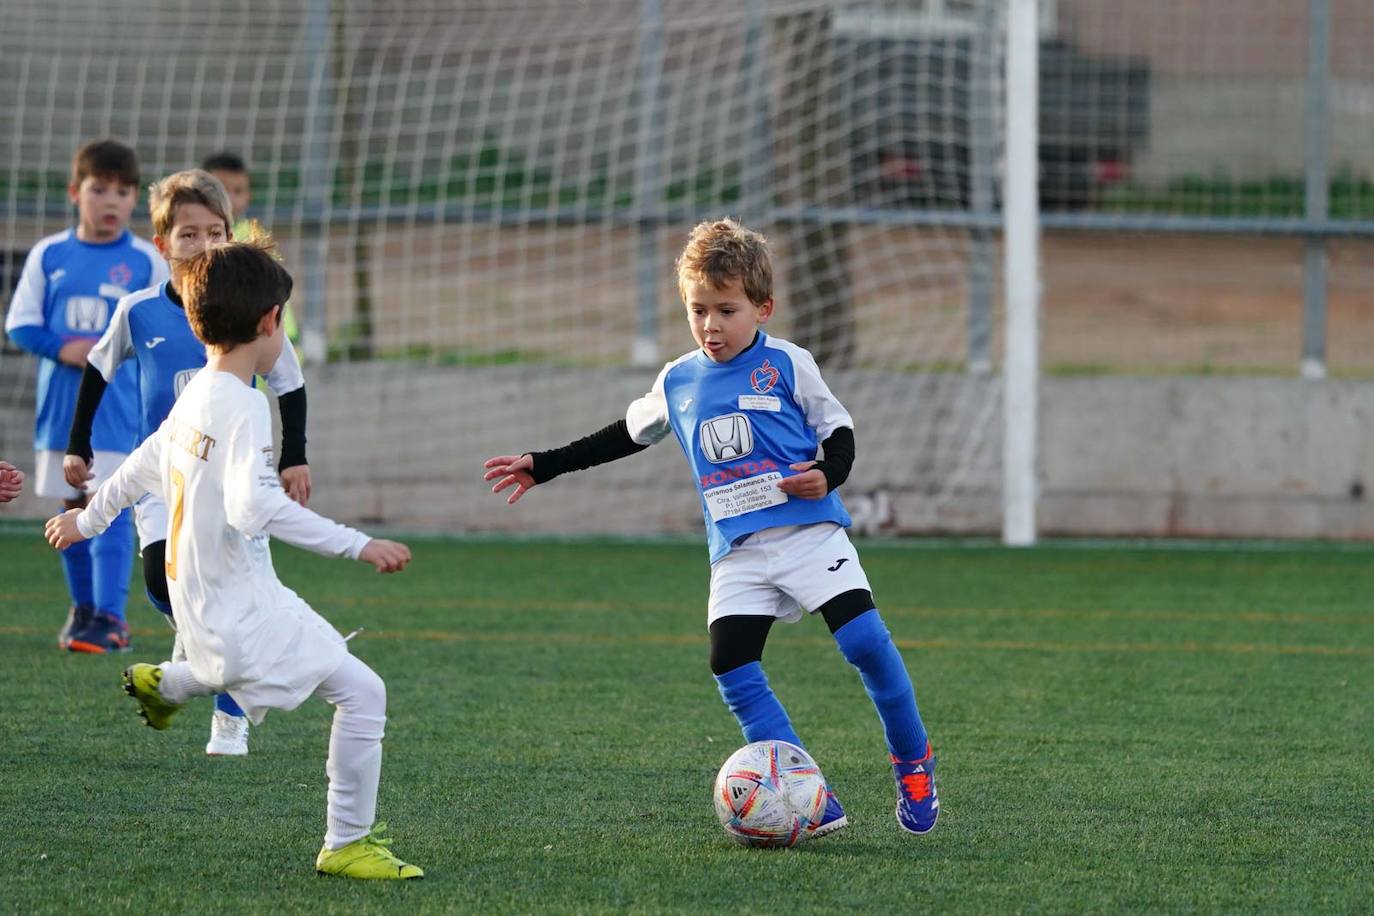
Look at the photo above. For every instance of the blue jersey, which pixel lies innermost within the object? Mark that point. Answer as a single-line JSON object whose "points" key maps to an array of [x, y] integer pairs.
{"points": [[68, 290], [150, 327], [741, 425]]}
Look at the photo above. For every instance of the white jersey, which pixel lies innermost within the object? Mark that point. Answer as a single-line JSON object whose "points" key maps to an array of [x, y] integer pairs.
{"points": [[242, 630]]}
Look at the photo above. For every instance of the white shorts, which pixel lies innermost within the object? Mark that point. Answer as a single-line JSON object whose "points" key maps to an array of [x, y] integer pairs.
{"points": [[779, 571], [49, 482], [150, 518]]}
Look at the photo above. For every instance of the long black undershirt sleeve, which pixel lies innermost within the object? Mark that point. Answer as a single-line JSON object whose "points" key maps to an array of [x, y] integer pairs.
{"points": [[292, 407], [839, 457], [606, 444], [88, 397]]}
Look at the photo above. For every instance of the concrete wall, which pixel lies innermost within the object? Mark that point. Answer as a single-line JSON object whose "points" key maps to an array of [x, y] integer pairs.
{"points": [[1120, 456]]}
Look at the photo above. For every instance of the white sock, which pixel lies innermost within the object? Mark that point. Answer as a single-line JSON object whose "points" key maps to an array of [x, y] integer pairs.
{"points": [[355, 750], [179, 684]]}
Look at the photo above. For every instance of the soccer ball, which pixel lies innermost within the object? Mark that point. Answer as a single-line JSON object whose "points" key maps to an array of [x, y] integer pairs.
{"points": [[770, 793]]}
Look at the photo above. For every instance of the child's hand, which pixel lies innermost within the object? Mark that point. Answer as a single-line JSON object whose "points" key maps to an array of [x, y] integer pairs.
{"points": [[61, 530], [74, 351], [77, 471], [296, 482], [386, 556], [11, 481], [514, 471], [808, 485]]}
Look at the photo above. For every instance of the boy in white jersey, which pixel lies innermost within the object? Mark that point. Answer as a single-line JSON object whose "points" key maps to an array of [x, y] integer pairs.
{"points": [[241, 631], [190, 212], [750, 412]]}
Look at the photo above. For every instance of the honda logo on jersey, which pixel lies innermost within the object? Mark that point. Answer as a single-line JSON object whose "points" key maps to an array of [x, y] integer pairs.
{"points": [[726, 438], [87, 314]]}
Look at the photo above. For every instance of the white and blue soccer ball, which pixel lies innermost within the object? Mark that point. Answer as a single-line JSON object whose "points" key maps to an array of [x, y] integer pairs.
{"points": [[770, 793]]}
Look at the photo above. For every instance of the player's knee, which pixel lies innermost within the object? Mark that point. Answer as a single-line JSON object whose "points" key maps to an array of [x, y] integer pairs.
{"points": [[737, 641], [370, 693]]}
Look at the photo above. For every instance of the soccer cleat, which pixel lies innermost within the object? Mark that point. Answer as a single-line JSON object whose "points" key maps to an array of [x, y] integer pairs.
{"points": [[78, 618], [103, 633], [834, 818], [140, 682], [918, 805], [368, 858], [228, 735]]}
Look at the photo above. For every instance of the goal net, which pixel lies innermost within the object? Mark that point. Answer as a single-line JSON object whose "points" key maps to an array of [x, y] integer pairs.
{"points": [[481, 204]]}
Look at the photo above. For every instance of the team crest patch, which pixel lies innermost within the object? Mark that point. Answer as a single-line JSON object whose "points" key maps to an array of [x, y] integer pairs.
{"points": [[764, 378], [121, 274]]}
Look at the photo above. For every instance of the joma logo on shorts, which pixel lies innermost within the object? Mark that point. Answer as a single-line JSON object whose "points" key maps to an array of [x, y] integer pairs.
{"points": [[737, 472]]}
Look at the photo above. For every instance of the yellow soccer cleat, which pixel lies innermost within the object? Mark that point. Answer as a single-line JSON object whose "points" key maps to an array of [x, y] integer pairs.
{"points": [[367, 858], [140, 682]]}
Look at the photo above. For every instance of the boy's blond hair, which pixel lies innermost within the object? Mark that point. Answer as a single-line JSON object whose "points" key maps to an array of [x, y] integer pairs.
{"points": [[722, 250], [193, 186]]}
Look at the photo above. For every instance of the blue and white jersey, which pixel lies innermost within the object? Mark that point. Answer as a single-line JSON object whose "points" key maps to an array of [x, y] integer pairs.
{"points": [[68, 290], [741, 424], [151, 328]]}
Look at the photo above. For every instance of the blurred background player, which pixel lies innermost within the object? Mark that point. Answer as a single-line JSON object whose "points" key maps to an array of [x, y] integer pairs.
{"points": [[232, 172], [11, 482], [241, 629], [67, 292], [750, 411], [190, 212]]}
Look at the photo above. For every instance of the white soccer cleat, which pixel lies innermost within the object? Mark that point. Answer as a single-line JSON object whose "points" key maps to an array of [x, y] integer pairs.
{"points": [[228, 735]]}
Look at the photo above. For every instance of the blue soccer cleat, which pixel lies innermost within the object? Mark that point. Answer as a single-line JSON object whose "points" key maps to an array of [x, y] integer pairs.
{"points": [[78, 618], [918, 804], [834, 818], [103, 633]]}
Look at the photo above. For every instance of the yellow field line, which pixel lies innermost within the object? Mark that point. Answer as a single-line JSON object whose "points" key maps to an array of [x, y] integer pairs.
{"points": [[889, 610], [955, 645]]}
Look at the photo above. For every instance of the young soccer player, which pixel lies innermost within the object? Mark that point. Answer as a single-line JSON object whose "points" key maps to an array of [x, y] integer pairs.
{"points": [[239, 628], [11, 482], [67, 291], [232, 171], [749, 411], [190, 212]]}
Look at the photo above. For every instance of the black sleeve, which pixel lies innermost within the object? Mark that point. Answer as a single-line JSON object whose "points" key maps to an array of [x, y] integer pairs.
{"points": [[92, 389], [839, 457], [606, 444], [292, 407]]}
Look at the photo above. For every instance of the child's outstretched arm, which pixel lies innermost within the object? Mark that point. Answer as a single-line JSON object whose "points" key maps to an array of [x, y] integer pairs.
{"points": [[610, 443], [255, 503], [139, 473], [646, 422]]}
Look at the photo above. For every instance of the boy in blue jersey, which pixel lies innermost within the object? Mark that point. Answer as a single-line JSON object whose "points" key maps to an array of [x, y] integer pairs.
{"points": [[66, 294], [191, 212], [750, 412]]}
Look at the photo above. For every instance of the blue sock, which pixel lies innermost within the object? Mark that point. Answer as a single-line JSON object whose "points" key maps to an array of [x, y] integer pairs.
{"points": [[225, 703], [867, 645], [76, 566], [164, 607], [112, 559], [761, 717]]}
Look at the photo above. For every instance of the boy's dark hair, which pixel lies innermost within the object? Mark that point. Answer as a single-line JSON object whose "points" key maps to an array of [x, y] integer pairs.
{"points": [[107, 159], [228, 288], [224, 161]]}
